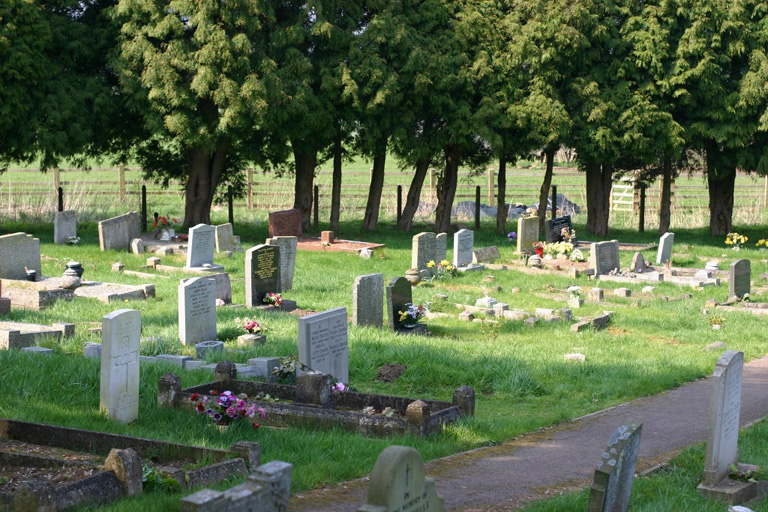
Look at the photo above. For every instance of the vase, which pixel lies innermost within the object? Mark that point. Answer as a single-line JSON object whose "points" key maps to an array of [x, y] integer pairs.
{"points": [[222, 428], [31, 275], [77, 267], [167, 234], [410, 326]]}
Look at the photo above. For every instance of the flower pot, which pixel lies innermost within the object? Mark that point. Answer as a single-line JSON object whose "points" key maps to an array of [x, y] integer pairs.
{"points": [[717, 327], [77, 267], [413, 276], [167, 234], [222, 428], [31, 275]]}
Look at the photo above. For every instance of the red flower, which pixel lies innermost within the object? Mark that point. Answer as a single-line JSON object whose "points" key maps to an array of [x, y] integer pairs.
{"points": [[194, 397], [200, 407], [155, 223], [175, 221], [256, 426], [214, 392], [242, 413]]}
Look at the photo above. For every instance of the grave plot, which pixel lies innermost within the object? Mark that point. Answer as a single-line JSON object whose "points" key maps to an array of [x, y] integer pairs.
{"points": [[112, 292], [313, 403], [55, 468], [329, 242], [16, 335]]}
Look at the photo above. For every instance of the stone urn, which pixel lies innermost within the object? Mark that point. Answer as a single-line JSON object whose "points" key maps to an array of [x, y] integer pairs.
{"points": [[534, 261], [70, 280], [77, 267], [413, 276]]}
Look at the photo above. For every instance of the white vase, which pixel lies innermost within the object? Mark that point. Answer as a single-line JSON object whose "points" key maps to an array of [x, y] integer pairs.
{"points": [[167, 234]]}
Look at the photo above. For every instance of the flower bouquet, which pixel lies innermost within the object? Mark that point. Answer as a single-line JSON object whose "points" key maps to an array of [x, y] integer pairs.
{"points": [[226, 408], [736, 240], [273, 299], [165, 228], [441, 270], [412, 314], [252, 326]]}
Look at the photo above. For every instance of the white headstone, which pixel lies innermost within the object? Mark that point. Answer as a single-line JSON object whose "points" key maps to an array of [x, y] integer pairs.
{"points": [[368, 300], [197, 310], [422, 250], [17, 251], [64, 226], [323, 343], [288, 247], [120, 345], [664, 254], [201, 246], [463, 247], [225, 238]]}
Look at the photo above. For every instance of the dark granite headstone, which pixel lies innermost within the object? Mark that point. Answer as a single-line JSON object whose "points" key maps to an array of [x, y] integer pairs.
{"points": [[262, 273], [741, 275], [555, 228], [285, 223], [398, 294]]}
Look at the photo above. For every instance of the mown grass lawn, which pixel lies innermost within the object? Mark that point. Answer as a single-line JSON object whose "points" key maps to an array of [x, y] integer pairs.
{"points": [[518, 372]]}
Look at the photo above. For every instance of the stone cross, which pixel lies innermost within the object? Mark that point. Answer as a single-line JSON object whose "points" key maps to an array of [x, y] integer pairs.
{"points": [[615, 473], [120, 345], [368, 300]]}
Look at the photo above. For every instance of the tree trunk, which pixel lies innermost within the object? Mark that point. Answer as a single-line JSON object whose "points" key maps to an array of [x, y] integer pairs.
{"points": [[336, 191], [544, 193], [446, 189], [721, 178], [306, 161], [502, 208], [598, 197], [205, 172], [414, 195], [665, 208], [371, 218]]}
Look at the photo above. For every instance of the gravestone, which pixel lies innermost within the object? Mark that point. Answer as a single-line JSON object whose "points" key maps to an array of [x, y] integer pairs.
{"points": [[368, 300], [638, 262], [722, 444], [741, 277], [664, 253], [197, 310], [323, 343], [202, 245], [285, 223], [604, 257], [262, 273], [288, 246], [422, 250], [555, 228], [441, 247], [225, 238], [615, 473], [463, 245], [223, 287], [399, 294], [527, 234], [17, 251], [398, 484], [485, 255], [64, 226], [116, 233], [119, 382]]}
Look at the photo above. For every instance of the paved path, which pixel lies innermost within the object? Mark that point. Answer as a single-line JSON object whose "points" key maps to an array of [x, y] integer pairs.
{"points": [[506, 476]]}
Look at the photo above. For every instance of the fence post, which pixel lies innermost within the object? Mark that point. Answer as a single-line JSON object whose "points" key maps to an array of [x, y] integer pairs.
{"points": [[317, 200], [554, 201], [477, 207], [121, 173], [143, 208], [61, 199], [230, 205], [249, 175], [432, 179], [399, 203], [56, 178], [491, 188], [641, 227]]}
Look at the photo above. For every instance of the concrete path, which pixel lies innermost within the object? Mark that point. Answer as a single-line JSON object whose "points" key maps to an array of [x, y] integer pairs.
{"points": [[506, 476]]}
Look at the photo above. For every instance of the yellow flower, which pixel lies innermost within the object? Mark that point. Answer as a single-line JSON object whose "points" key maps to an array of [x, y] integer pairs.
{"points": [[430, 264], [449, 267], [445, 263]]}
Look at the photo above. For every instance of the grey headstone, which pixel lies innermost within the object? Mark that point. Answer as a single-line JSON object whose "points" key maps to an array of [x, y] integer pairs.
{"points": [[422, 250], [262, 273], [288, 247], [486, 254], [463, 246], [137, 246], [223, 287], [120, 342], [323, 343], [664, 253], [398, 484], [604, 257], [441, 247], [117, 232], [197, 310], [201, 246], [638, 262], [368, 300], [92, 350], [615, 473], [741, 278], [17, 251], [64, 226], [527, 234], [225, 238], [399, 293]]}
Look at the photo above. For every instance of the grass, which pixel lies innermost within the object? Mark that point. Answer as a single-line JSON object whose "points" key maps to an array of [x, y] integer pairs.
{"points": [[519, 373]]}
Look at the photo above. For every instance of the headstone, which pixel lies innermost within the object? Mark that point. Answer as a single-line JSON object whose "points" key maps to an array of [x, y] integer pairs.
{"points": [[285, 223], [486, 254], [197, 310], [527, 234], [64, 226], [604, 257], [202, 245], [116, 233], [741, 278], [17, 251], [463, 245], [327, 237], [399, 293], [137, 246], [120, 345], [422, 250], [441, 247], [368, 300], [223, 287], [288, 247], [323, 343], [664, 253], [398, 484], [262, 273], [225, 237], [722, 445], [615, 473], [638, 262], [555, 228]]}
